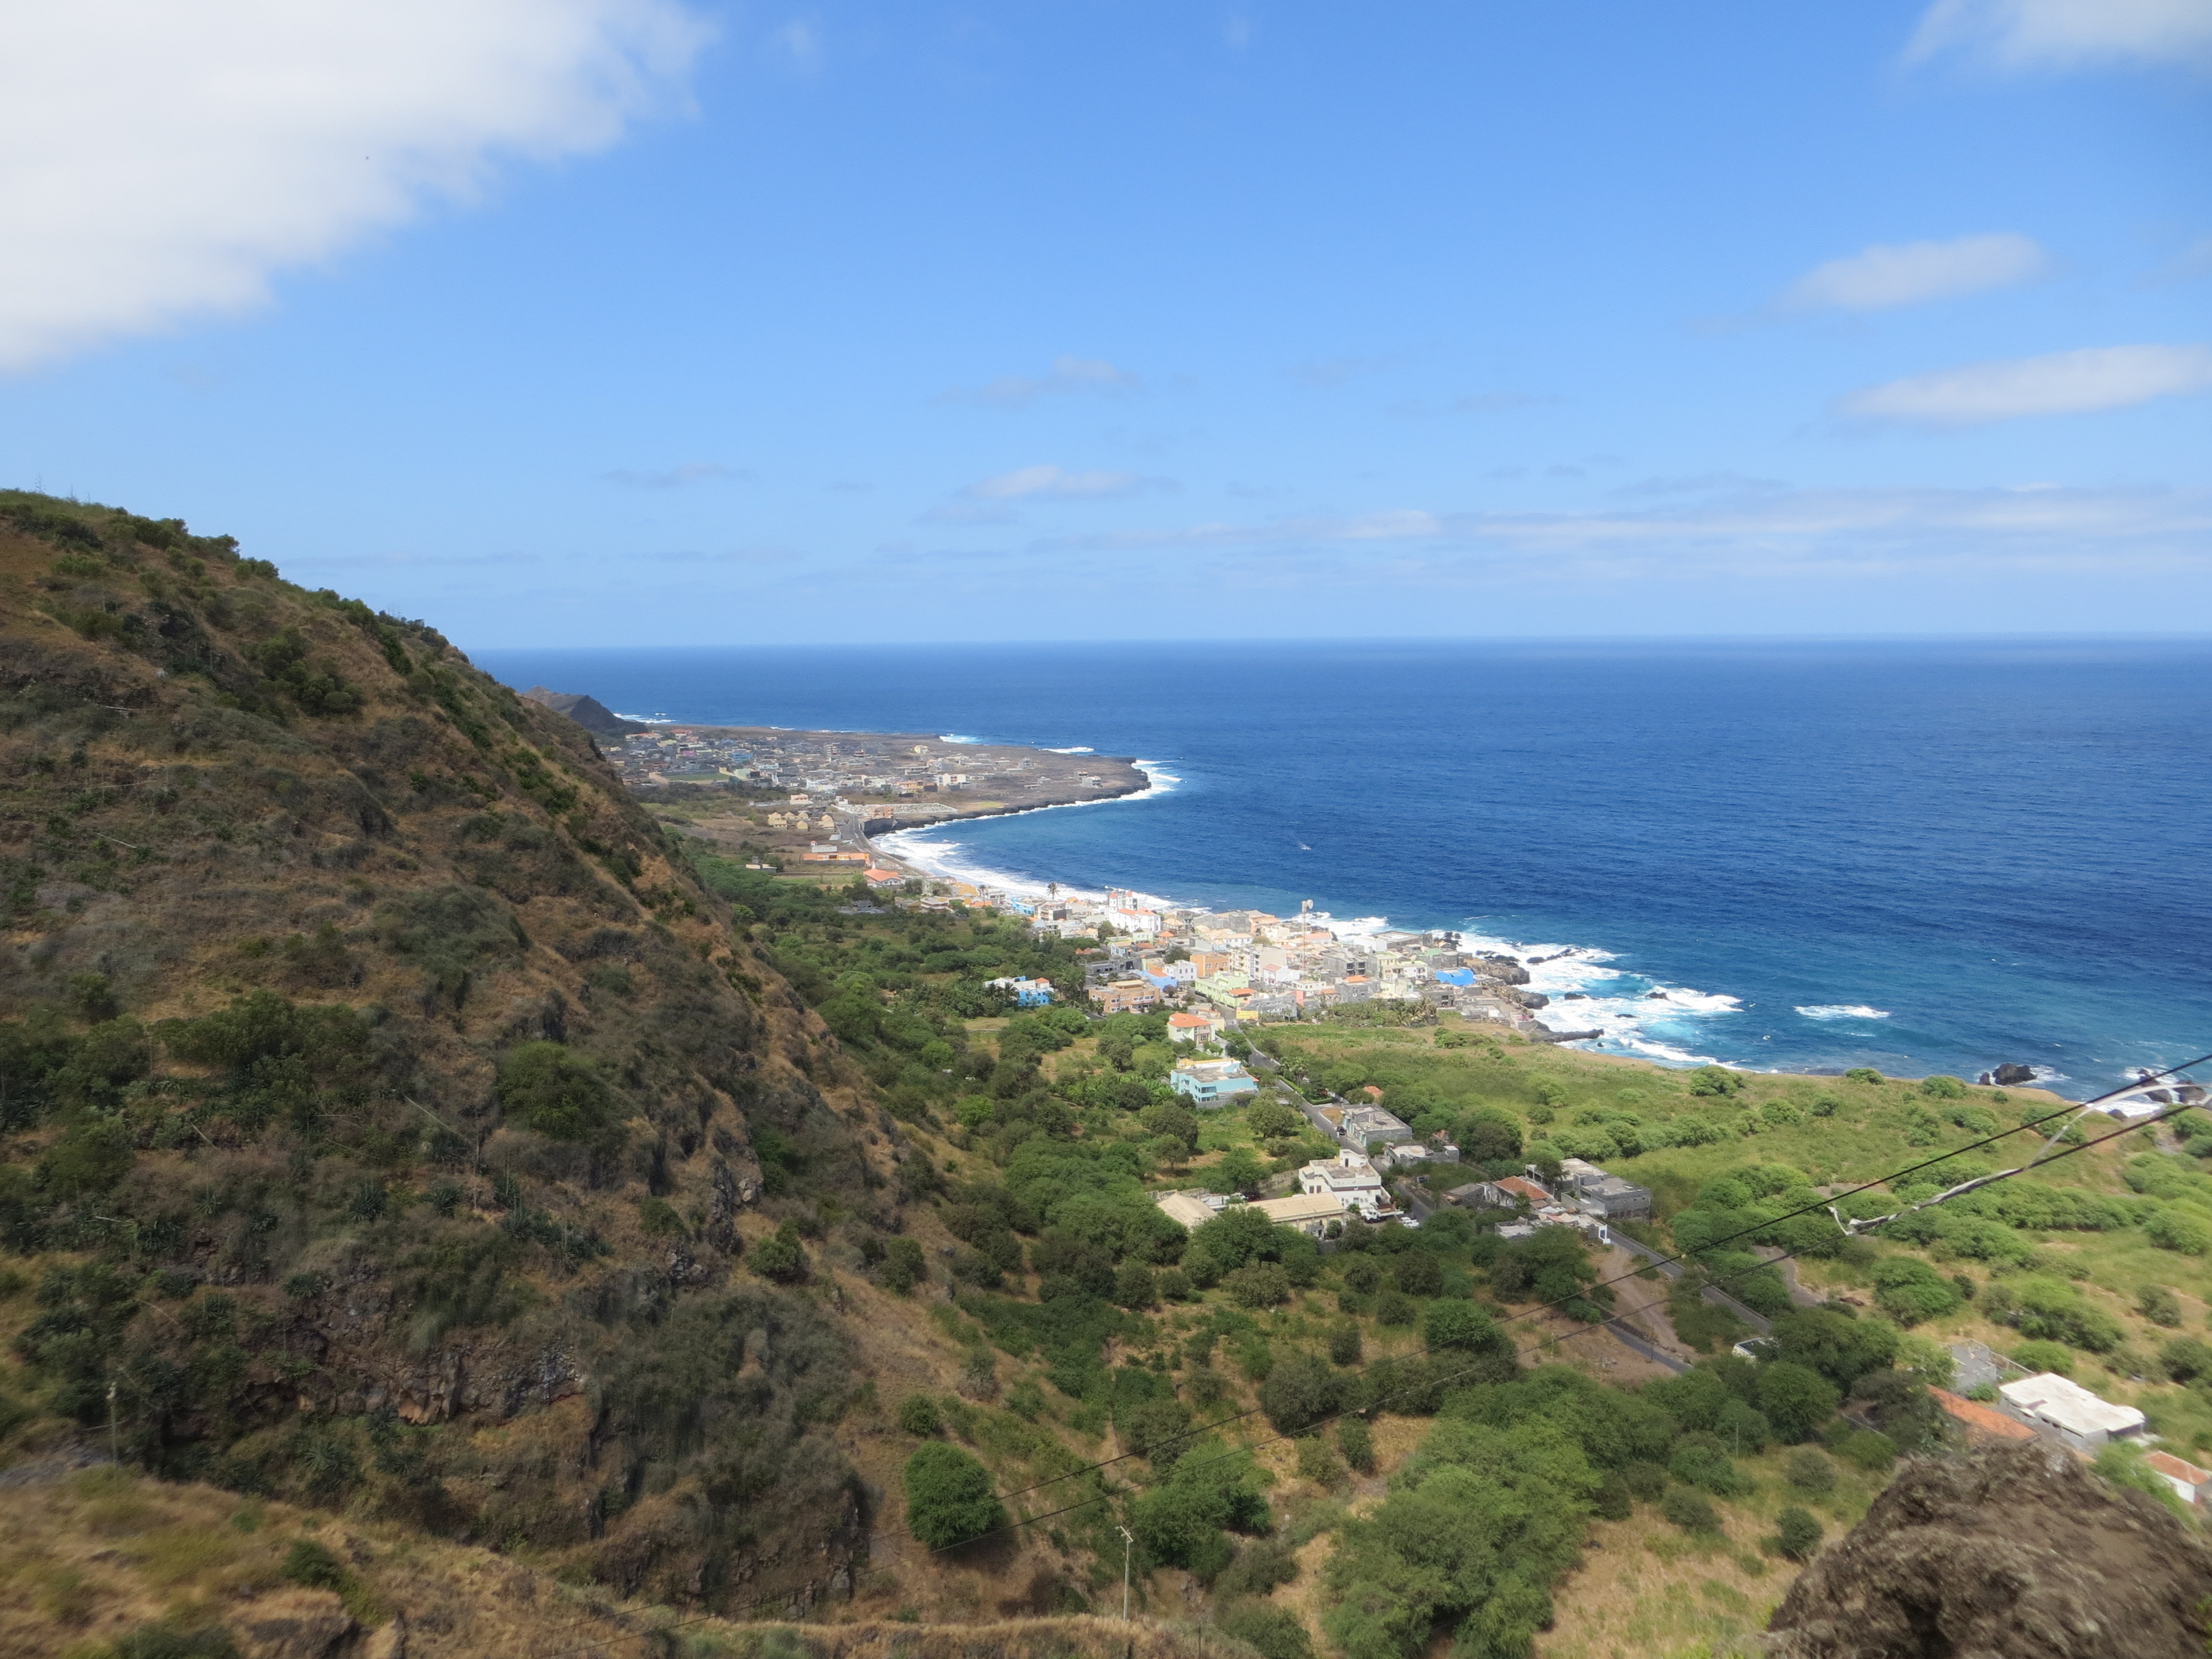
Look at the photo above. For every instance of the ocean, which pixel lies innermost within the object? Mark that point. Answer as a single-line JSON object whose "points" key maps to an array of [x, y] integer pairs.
{"points": [[1921, 856]]}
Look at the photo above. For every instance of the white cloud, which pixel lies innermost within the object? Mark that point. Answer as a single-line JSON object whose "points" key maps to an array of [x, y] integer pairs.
{"points": [[161, 161], [2067, 34], [1067, 375], [1755, 531], [801, 41], [675, 478], [1907, 273], [1049, 483], [2061, 383]]}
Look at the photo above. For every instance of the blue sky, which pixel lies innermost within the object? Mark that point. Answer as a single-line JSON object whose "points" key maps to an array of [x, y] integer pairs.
{"points": [[572, 322]]}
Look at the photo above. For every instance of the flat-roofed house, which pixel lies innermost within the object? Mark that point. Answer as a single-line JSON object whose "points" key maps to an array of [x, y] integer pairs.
{"points": [[2066, 1410], [1189, 1208], [1209, 1082], [1124, 996], [1351, 1181], [1310, 1213]]}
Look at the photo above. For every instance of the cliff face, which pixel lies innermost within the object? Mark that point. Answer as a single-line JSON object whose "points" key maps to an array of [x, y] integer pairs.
{"points": [[384, 1109], [2019, 1553]]}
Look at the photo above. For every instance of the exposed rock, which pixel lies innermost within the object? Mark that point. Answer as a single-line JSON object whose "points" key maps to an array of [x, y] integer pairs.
{"points": [[587, 711], [2018, 1553], [2009, 1076], [302, 1624]]}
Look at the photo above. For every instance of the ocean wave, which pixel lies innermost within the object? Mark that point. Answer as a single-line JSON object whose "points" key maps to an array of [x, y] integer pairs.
{"points": [[954, 737], [1843, 1010], [645, 719], [1079, 749]]}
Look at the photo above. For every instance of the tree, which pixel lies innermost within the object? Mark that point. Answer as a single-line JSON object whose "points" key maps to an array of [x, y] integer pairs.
{"points": [[1796, 1399], [948, 1497], [1238, 1169], [1489, 1134], [1797, 1533], [1134, 1286], [1418, 1273], [1258, 1284], [1357, 1442], [1344, 1344], [1270, 1119], [1300, 1389]]}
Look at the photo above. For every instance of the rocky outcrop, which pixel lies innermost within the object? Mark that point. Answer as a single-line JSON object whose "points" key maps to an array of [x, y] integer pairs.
{"points": [[587, 712], [2015, 1553], [2009, 1076]]}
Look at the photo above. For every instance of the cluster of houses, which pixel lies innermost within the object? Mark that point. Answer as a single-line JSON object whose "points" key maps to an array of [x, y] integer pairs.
{"points": [[1241, 965]]}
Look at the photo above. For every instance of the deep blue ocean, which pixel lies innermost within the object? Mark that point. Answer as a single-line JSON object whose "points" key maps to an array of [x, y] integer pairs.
{"points": [[1925, 856]]}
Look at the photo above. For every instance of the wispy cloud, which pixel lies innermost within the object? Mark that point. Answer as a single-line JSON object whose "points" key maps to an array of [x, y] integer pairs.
{"points": [[2061, 383], [2019, 34], [212, 145], [1909, 273], [1067, 375], [1050, 482], [799, 42], [1756, 531], [676, 477], [1327, 374]]}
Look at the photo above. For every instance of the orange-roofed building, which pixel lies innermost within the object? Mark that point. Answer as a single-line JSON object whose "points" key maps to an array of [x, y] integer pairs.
{"points": [[885, 877], [1372, 1092], [2191, 1482], [1982, 1427]]}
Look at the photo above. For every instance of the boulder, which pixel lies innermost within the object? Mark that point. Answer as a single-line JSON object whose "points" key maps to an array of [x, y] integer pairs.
{"points": [[2008, 1554], [2009, 1076]]}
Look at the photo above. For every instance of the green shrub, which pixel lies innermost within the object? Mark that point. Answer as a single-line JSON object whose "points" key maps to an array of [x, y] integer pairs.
{"points": [[1357, 1442], [2045, 1356], [550, 1087], [2159, 1305], [1808, 1471], [165, 1642], [1317, 1462], [657, 1218], [1797, 1533], [1647, 1481], [1943, 1087], [780, 1256], [311, 1565], [2185, 1231], [1344, 1345], [949, 1499], [903, 1267], [1871, 1451], [918, 1416], [1862, 1075], [2186, 1359], [1692, 1512], [1274, 1632], [1909, 1291]]}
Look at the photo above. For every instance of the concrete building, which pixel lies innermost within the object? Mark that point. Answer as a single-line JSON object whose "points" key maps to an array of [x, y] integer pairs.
{"points": [[2071, 1413], [1210, 1081], [1191, 1209], [1351, 1181], [1356, 1126], [1981, 1425], [1308, 1212], [1506, 1192], [1026, 992], [1124, 996]]}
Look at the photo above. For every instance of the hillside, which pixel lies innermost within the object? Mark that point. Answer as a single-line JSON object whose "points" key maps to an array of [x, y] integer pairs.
{"points": [[387, 1110], [404, 1131]]}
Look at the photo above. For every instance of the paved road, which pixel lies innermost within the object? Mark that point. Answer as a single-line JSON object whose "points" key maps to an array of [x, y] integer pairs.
{"points": [[1712, 1294]]}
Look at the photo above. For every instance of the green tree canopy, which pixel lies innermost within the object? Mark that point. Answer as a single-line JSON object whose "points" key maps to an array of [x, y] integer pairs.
{"points": [[948, 1497]]}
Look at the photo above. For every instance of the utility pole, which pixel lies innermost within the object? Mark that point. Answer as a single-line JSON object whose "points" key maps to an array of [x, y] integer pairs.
{"points": [[115, 1446], [1128, 1543]]}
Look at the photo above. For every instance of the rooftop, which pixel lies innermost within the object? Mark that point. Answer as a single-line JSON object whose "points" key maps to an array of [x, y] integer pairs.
{"points": [[1301, 1207], [1980, 1417], [2066, 1404]]}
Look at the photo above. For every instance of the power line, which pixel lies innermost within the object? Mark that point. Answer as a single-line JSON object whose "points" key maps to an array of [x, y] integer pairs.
{"points": [[1433, 1383]]}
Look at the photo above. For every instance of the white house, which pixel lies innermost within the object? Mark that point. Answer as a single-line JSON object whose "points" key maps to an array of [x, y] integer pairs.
{"points": [[2070, 1412], [1351, 1181]]}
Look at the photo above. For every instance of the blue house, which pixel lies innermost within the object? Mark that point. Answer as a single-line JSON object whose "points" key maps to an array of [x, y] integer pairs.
{"points": [[1210, 1081]]}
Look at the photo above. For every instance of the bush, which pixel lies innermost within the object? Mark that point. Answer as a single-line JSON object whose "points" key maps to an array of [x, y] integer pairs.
{"points": [[2159, 1305], [1943, 1087], [904, 1266], [1871, 1451], [1300, 1389], [1260, 1285], [1396, 1308], [1697, 1464], [2170, 1227], [1645, 1481], [1909, 1291], [1808, 1471], [1419, 1274], [2186, 1359], [948, 1497], [1692, 1512], [2045, 1356], [310, 1565], [780, 1255], [918, 1416], [1317, 1462], [550, 1087], [1344, 1345], [1275, 1633], [1797, 1535], [1458, 1327], [1357, 1442]]}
